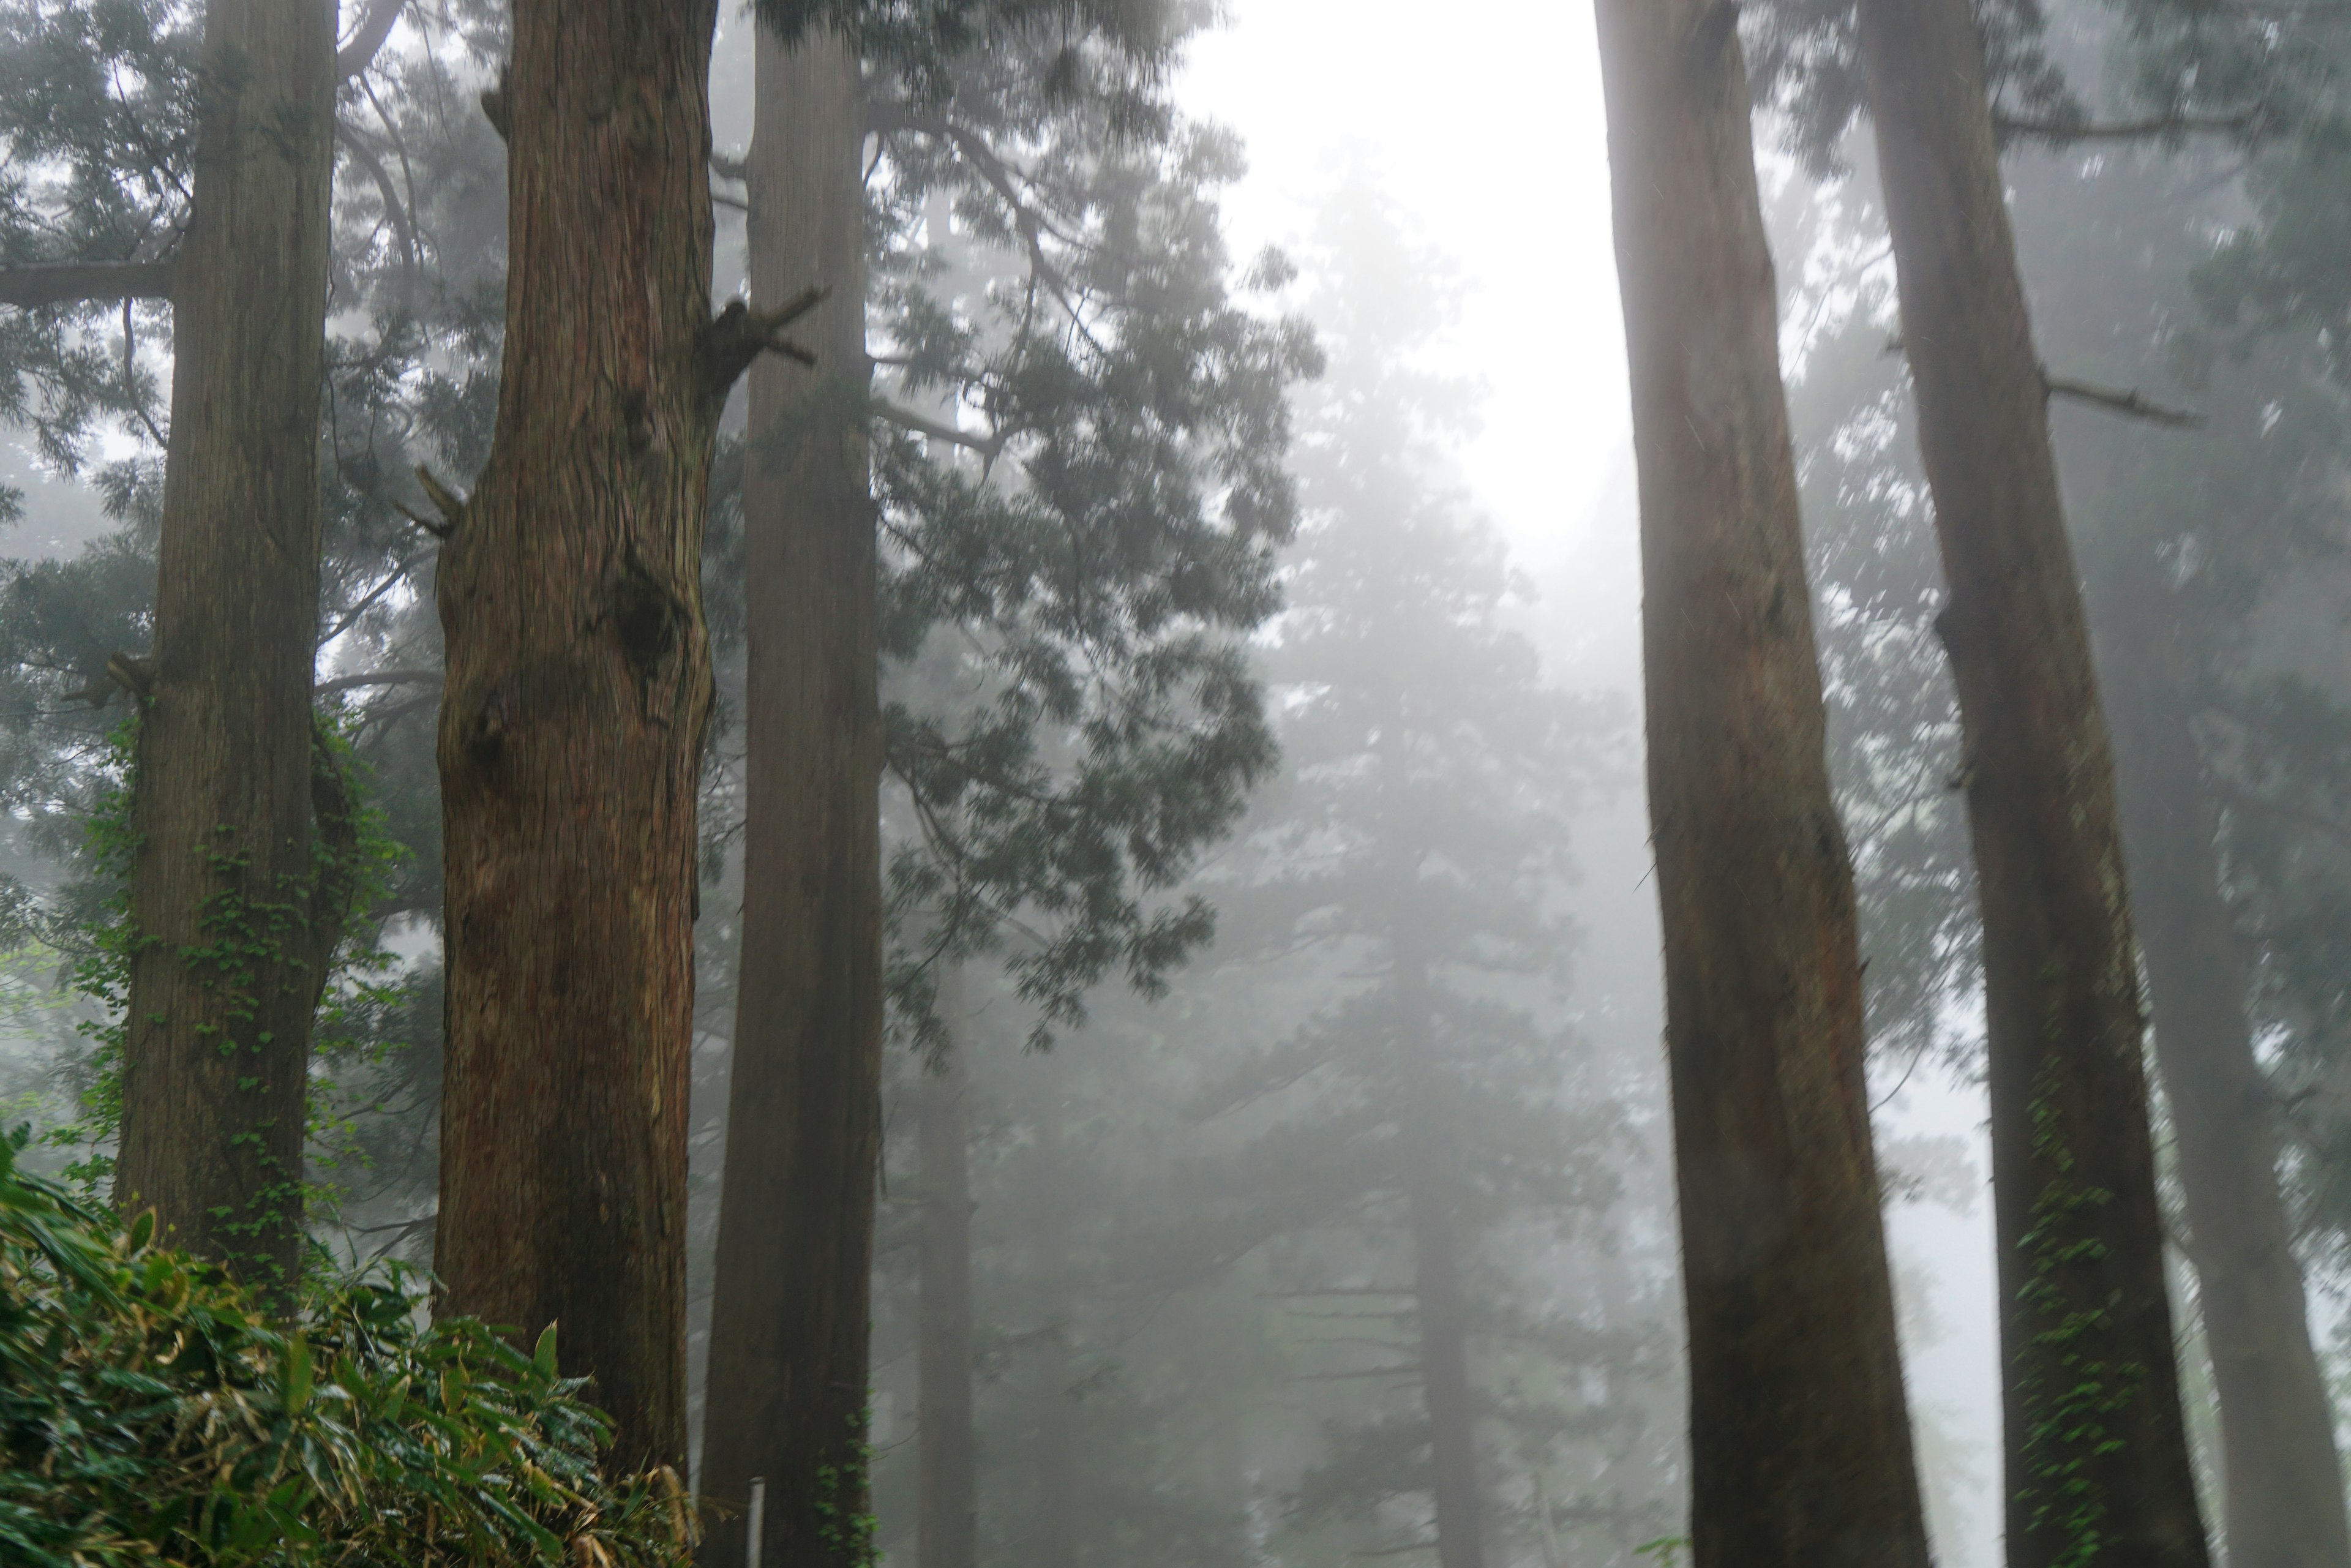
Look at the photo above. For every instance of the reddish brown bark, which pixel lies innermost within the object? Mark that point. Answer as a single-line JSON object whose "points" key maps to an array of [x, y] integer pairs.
{"points": [[1801, 1445], [2281, 1474], [2096, 1451], [578, 686], [789, 1319], [235, 909]]}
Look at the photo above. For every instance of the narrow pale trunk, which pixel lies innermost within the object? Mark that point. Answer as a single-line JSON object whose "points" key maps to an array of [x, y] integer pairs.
{"points": [[235, 908], [947, 1519], [1439, 1302], [1799, 1437], [2096, 1451], [2282, 1477], [789, 1315], [1059, 1502], [571, 727]]}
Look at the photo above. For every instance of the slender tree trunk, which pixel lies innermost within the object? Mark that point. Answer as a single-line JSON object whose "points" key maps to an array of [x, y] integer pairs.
{"points": [[2281, 1476], [1060, 1499], [2097, 1454], [789, 1316], [948, 1515], [1801, 1445], [572, 731], [237, 909], [1438, 1301]]}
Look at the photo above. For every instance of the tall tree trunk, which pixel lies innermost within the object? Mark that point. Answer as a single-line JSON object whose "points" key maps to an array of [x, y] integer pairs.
{"points": [[2096, 1452], [571, 730], [1801, 1445], [948, 1517], [1059, 1499], [1439, 1304], [2282, 1477], [790, 1309], [233, 900]]}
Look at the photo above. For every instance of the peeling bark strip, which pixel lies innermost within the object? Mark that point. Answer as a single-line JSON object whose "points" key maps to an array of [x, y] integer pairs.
{"points": [[2096, 1452], [235, 917], [1801, 1446], [2282, 1477], [578, 692], [790, 1313]]}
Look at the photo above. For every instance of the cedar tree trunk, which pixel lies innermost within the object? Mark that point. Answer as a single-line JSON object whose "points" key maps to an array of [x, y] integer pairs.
{"points": [[1439, 1302], [1801, 1445], [578, 692], [2096, 1451], [2281, 1475], [790, 1315], [237, 908], [948, 1520]]}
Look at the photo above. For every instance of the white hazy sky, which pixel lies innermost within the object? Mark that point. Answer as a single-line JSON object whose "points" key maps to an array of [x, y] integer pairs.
{"points": [[1493, 139]]}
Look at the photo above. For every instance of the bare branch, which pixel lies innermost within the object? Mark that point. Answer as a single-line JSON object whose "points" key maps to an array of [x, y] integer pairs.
{"points": [[740, 335], [445, 501], [380, 678], [987, 446], [2132, 404], [33, 287], [2157, 127], [366, 39]]}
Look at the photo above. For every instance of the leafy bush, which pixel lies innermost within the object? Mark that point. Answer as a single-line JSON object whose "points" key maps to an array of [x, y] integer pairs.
{"points": [[151, 1413]]}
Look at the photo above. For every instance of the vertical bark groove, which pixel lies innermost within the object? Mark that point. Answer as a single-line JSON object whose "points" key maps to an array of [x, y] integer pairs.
{"points": [[789, 1316], [578, 692], [1801, 1443], [2096, 1451], [225, 888]]}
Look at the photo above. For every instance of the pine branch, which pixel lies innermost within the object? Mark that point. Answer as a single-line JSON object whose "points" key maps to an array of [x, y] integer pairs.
{"points": [[34, 287], [380, 678]]}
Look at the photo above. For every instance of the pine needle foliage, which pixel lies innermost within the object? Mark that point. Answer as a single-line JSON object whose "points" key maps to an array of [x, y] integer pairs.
{"points": [[152, 1413]]}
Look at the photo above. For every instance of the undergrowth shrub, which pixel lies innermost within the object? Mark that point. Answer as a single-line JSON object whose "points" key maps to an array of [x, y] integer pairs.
{"points": [[153, 1414]]}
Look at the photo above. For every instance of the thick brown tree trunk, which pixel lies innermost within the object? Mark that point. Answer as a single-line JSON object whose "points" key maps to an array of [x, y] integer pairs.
{"points": [[789, 1315], [1439, 1304], [2096, 1452], [1801, 1446], [948, 1521], [571, 727], [235, 906], [2282, 1477]]}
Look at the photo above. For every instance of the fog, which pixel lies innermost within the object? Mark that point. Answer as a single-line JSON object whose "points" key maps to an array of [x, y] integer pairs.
{"points": [[1217, 1092]]}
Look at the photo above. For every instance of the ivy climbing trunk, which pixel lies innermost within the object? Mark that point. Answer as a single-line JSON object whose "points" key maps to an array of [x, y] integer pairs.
{"points": [[790, 1318], [2281, 1474], [2097, 1450], [235, 899], [579, 688], [947, 1516], [2098, 1454], [1799, 1434]]}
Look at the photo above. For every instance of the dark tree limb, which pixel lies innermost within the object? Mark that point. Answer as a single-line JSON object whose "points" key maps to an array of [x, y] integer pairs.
{"points": [[740, 335], [2155, 128], [2132, 404], [380, 678], [367, 40], [33, 288]]}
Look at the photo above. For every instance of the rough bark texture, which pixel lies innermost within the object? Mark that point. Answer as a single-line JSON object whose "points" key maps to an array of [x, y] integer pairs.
{"points": [[1801, 1446], [948, 1521], [572, 731], [2282, 1477], [789, 1319], [1439, 1304], [2096, 1451], [235, 909]]}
